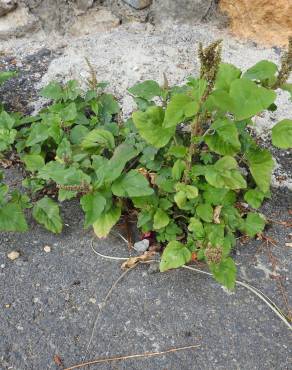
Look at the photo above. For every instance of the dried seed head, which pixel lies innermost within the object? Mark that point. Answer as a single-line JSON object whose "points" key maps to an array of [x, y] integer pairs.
{"points": [[213, 254], [286, 67]]}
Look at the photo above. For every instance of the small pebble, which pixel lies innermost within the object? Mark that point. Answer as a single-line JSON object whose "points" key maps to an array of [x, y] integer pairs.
{"points": [[47, 248], [142, 245], [92, 300], [13, 255]]}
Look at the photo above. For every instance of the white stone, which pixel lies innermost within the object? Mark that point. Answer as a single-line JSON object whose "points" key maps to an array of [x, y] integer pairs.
{"points": [[6, 6], [47, 248], [138, 4], [142, 245], [13, 255], [93, 21], [17, 23]]}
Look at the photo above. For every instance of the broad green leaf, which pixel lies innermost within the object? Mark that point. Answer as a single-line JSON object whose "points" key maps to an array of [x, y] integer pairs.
{"points": [[61, 175], [150, 126], [254, 197], [38, 134], [174, 255], [7, 137], [77, 134], [12, 218], [160, 220], [205, 212], [64, 150], [225, 272], [178, 169], [214, 234], [287, 87], [282, 134], [6, 121], [263, 70], [190, 190], [180, 199], [224, 174], [46, 212], [226, 75], [197, 228], [66, 195], [146, 90], [98, 137], [254, 224], [178, 109], [225, 139], [103, 225], [33, 162], [132, 184], [249, 98], [109, 105], [71, 90], [108, 171], [93, 205], [261, 165], [178, 151], [231, 217], [69, 113], [220, 100], [217, 196], [52, 91]]}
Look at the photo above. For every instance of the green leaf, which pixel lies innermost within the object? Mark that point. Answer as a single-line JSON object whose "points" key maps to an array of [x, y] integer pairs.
{"points": [[178, 151], [132, 184], [7, 137], [39, 132], [217, 196], [174, 255], [160, 220], [263, 70], [249, 99], [215, 234], [178, 109], [150, 126], [197, 228], [109, 106], [178, 169], [64, 151], [287, 87], [261, 165], [225, 272], [66, 195], [12, 218], [225, 139], [98, 137], [78, 133], [224, 174], [254, 197], [226, 75], [205, 212], [93, 205], [33, 162], [110, 170], [6, 120], [47, 213], [52, 91], [253, 224], [180, 199], [63, 176], [146, 90], [282, 134], [69, 113], [103, 225]]}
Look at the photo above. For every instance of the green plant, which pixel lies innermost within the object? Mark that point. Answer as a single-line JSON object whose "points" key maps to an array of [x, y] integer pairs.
{"points": [[183, 163]]}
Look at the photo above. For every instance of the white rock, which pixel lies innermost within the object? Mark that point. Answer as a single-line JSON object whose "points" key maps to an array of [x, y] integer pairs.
{"points": [[142, 245], [93, 21], [47, 249], [17, 23], [138, 4], [6, 6], [13, 255]]}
